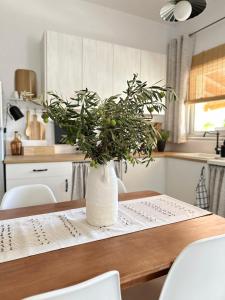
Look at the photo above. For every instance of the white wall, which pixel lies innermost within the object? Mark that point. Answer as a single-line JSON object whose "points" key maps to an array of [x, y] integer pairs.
{"points": [[212, 36], [24, 21]]}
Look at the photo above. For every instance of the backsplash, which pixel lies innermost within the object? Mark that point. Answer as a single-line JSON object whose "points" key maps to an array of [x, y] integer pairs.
{"points": [[20, 126]]}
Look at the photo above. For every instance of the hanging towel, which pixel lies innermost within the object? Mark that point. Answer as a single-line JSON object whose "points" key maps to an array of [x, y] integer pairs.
{"points": [[80, 172], [202, 200]]}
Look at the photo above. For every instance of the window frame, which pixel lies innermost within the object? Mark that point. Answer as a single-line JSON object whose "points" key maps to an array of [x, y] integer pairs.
{"points": [[192, 134]]}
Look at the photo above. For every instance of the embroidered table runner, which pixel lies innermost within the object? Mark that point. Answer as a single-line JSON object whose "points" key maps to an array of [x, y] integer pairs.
{"points": [[32, 235]]}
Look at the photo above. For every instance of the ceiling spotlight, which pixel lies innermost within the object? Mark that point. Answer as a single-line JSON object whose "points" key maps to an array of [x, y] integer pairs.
{"points": [[182, 10]]}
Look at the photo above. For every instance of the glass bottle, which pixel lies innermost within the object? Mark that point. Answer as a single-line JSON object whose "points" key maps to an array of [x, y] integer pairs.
{"points": [[16, 144]]}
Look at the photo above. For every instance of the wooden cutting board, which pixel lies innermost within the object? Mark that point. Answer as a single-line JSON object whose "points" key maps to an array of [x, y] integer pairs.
{"points": [[25, 80], [37, 129], [28, 129]]}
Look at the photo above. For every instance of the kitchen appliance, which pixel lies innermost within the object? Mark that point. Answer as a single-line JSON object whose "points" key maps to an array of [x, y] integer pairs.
{"points": [[2, 178]]}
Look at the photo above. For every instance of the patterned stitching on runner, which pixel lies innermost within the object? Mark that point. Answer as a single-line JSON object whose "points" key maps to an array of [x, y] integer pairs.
{"points": [[39, 232], [69, 226], [5, 238]]}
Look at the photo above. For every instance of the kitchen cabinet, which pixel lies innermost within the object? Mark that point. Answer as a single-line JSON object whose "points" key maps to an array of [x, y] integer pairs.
{"points": [[63, 63], [182, 177], [98, 67], [73, 63], [177, 178], [153, 67], [58, 176], [140, 177], [127, 61]]}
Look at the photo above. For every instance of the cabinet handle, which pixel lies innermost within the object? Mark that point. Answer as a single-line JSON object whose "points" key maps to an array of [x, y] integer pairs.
{"points": [[66, 185], [40, 170]]}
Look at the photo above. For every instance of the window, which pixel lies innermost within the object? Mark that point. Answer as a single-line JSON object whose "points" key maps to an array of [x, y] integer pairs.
{"points": [[207, 90]]}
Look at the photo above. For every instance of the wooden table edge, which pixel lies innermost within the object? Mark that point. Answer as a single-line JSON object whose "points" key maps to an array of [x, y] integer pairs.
{"points": [[127, 280]]}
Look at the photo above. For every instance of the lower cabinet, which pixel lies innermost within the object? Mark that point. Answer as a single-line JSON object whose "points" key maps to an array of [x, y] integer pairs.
{"points": [[57, 175], [177, 178], [140, 177], [182, 177]]}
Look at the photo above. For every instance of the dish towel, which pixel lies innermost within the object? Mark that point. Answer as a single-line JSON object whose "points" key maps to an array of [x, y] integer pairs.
{"points": [[202, 199]]}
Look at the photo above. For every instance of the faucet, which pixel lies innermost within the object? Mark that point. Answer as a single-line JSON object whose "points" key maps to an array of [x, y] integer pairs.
{"points": [[217, 149]]}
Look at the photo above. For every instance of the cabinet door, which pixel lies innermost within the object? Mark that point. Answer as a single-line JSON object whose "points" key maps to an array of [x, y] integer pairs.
{"points": [[127, 61], [140, 177], [58, 176], [182, 177], [63, 63], [98, 67], [153, 67]]}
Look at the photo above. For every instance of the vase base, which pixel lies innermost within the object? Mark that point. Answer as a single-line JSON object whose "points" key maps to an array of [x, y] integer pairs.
{"points": [[101, 224]]}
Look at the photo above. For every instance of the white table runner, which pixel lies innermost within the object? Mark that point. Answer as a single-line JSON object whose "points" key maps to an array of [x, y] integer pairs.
{"points": [[36, 234]]}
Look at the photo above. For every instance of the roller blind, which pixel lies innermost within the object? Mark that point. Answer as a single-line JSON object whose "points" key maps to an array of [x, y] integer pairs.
{"points": [[207, 76]]}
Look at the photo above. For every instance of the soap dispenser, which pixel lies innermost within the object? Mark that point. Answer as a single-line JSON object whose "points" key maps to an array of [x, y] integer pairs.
{"points": [[223, 149]]}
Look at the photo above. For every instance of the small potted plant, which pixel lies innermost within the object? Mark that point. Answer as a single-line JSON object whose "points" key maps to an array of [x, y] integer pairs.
{"points": [[113, 128], [162, 139]]}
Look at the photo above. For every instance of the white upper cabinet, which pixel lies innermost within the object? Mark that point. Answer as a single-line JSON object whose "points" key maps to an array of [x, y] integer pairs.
{"points": [[63, 62], [73, 63], [127, 61], [98, 67], [153, 67]]}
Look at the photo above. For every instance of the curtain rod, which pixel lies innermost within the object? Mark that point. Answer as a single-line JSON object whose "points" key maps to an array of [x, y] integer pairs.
{"points": [[207, 26]]}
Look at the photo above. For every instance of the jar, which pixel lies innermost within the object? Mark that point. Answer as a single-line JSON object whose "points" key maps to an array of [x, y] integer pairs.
{"points": [[16, 144]]}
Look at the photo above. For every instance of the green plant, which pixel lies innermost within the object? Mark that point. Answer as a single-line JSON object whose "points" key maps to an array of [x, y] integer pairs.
{"points": [[163, 135], [114, 127]]}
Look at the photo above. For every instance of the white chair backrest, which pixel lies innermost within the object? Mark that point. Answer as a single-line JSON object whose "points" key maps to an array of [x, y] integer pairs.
{"points": [[121, 186], [198, 273], [103, 287], [27, 195]]}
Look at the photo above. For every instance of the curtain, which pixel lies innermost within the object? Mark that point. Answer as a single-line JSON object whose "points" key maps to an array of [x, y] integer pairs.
{"points": [[207, 76], [79, 177], [80, 172], [217, 190], [179, 59]]}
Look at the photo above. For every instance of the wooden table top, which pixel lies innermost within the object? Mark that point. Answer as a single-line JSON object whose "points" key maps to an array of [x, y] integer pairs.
{"points": [[139, 257]]}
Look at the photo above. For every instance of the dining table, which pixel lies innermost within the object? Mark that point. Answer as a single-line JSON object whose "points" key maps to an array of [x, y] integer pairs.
{"points": [[139, 257]]}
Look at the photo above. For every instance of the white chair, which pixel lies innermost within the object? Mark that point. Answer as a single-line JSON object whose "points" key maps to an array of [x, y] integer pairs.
{"points": [[121, 186], [103, 287], [27, 195], [198, 273]]}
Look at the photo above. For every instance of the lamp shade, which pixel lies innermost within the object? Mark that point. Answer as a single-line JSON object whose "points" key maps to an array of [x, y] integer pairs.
{"points": [[167, 12], [15, 113], [183, 10]]}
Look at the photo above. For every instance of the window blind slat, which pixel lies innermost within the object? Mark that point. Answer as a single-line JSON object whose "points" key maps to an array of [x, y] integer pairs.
{"points": [[207, 76]]}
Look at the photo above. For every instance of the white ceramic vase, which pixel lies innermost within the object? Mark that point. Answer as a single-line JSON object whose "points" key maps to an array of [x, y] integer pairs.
{"points": [[102, 196]]}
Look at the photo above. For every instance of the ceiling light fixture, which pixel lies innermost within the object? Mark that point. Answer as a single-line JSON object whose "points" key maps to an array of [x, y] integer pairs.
{"points": [[182, 10]]}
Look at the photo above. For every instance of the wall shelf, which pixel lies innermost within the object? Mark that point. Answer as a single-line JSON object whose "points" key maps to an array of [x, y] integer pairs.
{"points": [[32, 102]]}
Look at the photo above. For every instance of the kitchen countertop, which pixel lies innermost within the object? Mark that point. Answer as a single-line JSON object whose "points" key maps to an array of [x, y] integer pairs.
{"points": [[78, 157]]}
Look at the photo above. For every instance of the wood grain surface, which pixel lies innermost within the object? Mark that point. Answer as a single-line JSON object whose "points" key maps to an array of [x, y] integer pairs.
{"points": [[139, 256]]}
